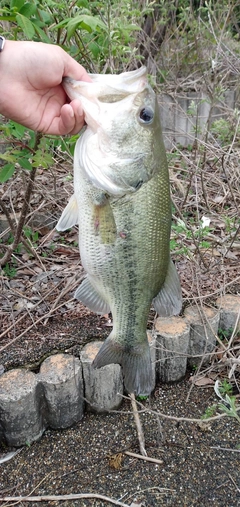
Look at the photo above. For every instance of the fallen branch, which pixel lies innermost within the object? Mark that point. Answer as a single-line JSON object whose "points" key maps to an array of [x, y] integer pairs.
{"points": [[140, 433], [53, 498], [146, 458], [173, 417]]}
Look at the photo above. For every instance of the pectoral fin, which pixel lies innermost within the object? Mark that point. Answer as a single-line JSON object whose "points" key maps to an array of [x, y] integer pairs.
{"points": [[69, 216], [104, 221], [89, 296], [169, 300]]}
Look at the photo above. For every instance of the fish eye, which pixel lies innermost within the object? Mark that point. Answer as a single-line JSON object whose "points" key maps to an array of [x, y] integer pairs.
{"points": [[146, 115]]}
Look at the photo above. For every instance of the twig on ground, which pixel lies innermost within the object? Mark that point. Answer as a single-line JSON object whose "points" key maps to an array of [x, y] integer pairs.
{"points": [[46, 316], [224, 449], [32, 325], [234, 483], [175, 418], [71, 284], [140, 433], [12, 228], [54, 498], [146, 458]]}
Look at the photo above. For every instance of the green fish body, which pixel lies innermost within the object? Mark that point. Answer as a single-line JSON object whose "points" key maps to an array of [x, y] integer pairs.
{"points": [[122, 205]]}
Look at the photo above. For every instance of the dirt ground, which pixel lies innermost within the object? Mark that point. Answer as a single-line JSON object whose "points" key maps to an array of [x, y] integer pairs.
{"points": [[199, 467], [200, 463]]}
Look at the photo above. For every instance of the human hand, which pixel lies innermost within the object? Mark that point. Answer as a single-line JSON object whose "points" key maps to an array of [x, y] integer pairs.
{"points": [[31, 92]]}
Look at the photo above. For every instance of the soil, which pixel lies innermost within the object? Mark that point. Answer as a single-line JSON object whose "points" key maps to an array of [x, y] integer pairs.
{"points": [[199, 467], [200, 462]]}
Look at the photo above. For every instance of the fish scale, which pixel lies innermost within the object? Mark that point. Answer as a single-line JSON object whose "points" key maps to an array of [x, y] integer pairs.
{"points": [[122, 205]]}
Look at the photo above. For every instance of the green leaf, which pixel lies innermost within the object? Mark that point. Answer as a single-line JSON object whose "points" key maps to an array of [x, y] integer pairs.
{"points": [[28, 9], [42, 159], [24, 162], [6, 172], [26, 25], [42, 35], [130, 27], [62, 23], [94, 48], [18, 4], [8, 156], [89, 23], [83, 3], [45, 16], [17, 130]]}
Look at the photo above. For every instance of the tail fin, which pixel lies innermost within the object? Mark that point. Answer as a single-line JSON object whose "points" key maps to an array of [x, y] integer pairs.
{"points": [[136, 364]]}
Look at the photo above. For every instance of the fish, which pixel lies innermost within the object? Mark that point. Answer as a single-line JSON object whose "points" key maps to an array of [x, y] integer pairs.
{"points": [[122, 206]]}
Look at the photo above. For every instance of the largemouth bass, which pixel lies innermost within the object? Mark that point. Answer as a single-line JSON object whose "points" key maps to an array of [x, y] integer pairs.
{"points": [[122, 205]]}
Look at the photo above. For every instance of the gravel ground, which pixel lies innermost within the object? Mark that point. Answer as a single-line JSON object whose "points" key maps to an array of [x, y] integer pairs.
{"points": [[200, 464]]}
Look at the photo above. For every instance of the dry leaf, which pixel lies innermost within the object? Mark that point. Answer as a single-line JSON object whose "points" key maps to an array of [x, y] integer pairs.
{"points": [[25, 257], [220, 352], [204, 426], [115, 460], [202, 381]]}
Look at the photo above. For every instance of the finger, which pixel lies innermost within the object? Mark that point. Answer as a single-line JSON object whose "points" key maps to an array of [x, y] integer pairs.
{"points": [[78, 115], [74, 70], [71, 119]]}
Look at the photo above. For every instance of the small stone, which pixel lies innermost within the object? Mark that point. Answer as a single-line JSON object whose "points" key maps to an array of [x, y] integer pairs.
{"points": [[172, 342], [21, 419], [204, 322], [103, 386], [61, 378]]}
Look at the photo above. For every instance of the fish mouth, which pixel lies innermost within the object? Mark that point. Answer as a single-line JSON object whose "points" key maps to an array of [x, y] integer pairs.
{"points": [[107, 87], [99, 96], [125, 80]]}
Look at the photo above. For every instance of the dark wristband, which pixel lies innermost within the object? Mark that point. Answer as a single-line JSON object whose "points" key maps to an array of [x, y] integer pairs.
{"points": [[2, 42]]}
